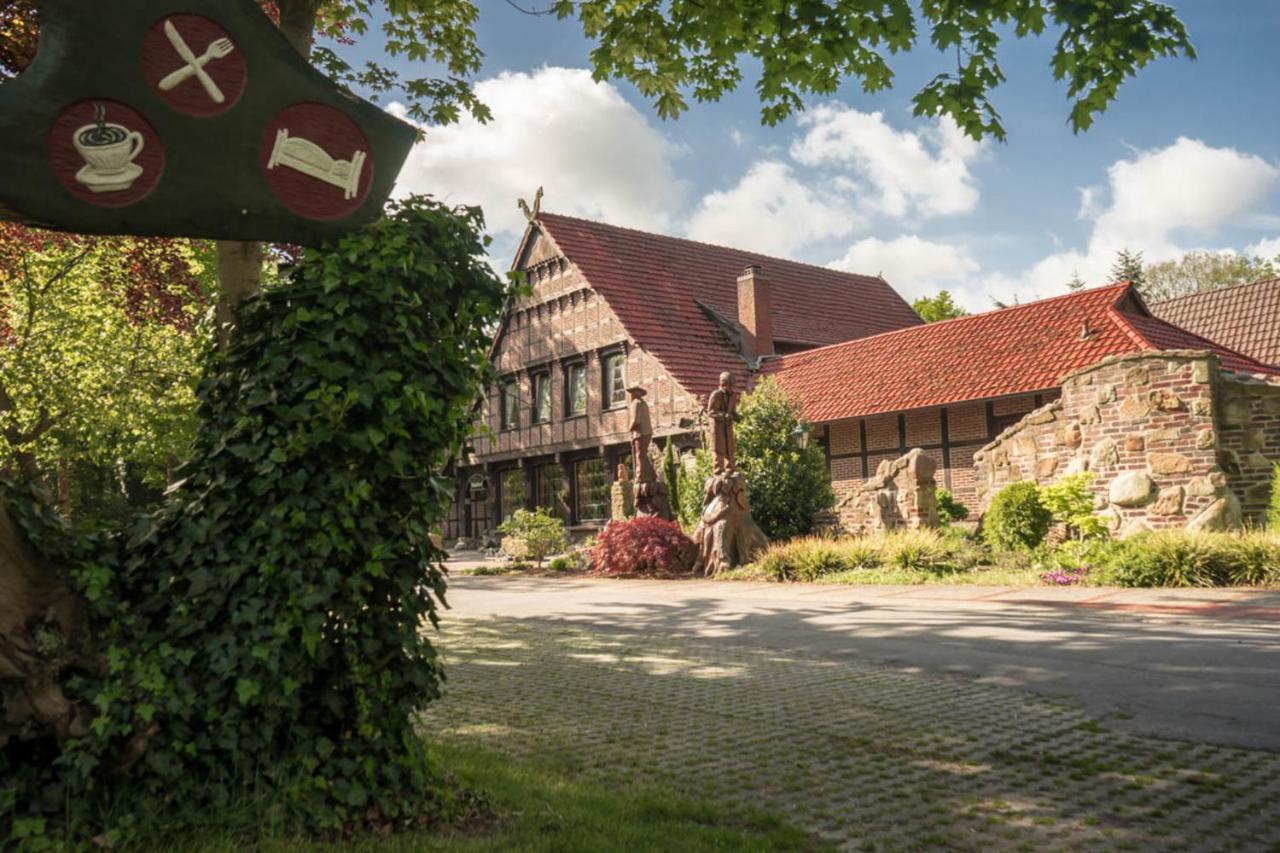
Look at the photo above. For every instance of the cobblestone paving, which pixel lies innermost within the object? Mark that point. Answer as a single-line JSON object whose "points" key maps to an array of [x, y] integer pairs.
{"points": [[864, 756]]}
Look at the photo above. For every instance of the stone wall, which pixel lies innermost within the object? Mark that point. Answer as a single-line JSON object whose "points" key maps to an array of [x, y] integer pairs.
{"points": [[901, 494], [1249, 440], [1147, 426]]}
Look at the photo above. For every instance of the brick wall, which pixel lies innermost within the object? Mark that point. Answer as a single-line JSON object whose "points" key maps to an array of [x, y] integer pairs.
{"points": [[948, 435], [564, 321], [882, 433], [924, 428], [1148, 427], [967, 422]]}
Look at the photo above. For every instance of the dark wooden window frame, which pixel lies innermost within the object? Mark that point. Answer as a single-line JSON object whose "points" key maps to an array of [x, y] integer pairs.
{"points": [[536, 374], [567, 368], [508, 387], [606, 389]]}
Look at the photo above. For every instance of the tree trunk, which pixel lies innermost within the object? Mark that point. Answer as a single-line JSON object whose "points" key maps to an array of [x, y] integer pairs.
{"points": [[239, 277], [239, 262], [44, 636]]}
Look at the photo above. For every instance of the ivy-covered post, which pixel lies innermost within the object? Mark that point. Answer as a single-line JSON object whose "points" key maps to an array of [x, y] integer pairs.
{"points": [[266, 626]]}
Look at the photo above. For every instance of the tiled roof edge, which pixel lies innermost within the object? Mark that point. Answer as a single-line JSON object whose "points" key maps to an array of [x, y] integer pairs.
{"points": [[1220, 290], [954, 320], [725, 247]]}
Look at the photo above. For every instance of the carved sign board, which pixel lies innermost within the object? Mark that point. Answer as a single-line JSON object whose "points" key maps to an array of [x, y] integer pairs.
{"points": [[187, 118]]}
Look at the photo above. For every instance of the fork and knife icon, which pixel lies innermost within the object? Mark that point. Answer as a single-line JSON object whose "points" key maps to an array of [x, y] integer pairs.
{"points": [[218, 49]]}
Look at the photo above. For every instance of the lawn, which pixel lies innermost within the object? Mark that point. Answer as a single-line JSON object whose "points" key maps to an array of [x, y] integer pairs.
{"points": [[541, 806]]}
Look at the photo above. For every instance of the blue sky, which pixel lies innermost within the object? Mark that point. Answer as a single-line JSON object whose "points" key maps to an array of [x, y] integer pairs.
{"points": [[1185, 159]]}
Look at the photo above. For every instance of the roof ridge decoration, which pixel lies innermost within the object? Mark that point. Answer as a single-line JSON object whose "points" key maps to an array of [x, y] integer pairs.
{"points": [[531, 214]]}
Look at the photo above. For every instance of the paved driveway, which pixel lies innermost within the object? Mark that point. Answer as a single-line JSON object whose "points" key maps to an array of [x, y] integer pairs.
{"points": [[889, 717], [1199, 664]]}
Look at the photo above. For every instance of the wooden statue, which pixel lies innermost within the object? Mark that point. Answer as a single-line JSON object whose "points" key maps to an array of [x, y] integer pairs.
{"points": [[726, 534], [722, 406]]}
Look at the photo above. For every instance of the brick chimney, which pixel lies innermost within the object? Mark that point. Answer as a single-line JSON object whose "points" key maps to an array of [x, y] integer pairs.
{"points": [[755, 312]]}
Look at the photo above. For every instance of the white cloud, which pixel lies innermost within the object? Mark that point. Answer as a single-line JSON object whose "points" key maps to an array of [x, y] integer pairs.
{"points": [[1187, 187], [1269, 249], [595, 154], [1090, 205], [923, 173], [1157, 199], [847, 168], [912, 265], [772, 211]]}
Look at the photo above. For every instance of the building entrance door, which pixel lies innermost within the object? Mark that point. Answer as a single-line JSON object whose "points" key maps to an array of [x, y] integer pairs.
{"points": [[477, 521]]}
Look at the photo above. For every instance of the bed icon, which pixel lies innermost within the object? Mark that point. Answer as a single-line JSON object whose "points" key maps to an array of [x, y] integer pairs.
{"points": [[307, 157]]}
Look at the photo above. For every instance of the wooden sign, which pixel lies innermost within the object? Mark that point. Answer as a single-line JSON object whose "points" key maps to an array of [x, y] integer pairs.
{"points": [[191, 119]]}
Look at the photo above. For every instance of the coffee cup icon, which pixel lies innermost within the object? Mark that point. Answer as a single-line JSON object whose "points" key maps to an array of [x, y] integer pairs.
{"points": [[108, 150]]}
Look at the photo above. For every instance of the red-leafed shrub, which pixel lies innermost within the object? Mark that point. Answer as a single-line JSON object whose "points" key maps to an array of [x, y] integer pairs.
{"points": [[643, 546]]}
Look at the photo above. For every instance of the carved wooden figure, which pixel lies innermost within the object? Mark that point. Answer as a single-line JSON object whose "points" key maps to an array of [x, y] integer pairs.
{"points": [[722, 406]]}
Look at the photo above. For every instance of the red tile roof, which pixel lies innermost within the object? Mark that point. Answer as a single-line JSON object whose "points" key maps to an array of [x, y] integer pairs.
{"points": [[651, 282], [1245, 318], [1016, 350]]}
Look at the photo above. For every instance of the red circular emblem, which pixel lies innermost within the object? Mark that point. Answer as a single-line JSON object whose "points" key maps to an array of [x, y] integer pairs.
{"points": [[193, 65], [317, 161], [105, 153]]}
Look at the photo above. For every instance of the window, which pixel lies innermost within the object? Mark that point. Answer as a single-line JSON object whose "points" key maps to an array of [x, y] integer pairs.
{"points": [[541, 398], [615, 383], [509, 404], [553, 490], [575, 390], [513, 491], [592, 489]]}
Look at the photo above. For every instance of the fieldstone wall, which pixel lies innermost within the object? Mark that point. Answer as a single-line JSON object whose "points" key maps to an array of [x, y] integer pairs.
{"points": [[901, 494], [1170, 440], [1249, 440]]}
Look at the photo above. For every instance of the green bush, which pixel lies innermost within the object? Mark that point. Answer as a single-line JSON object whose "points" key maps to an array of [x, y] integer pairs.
{"points": [[691, 487], [541, 533], [809, 558], [1017, 519], [1176, 558], [263, 631], [914, 550], [950, 509], [803, 559], [1070, 502], [562, 564], [1081, 561], [1273, 512], [671, 474], [787, 483]]}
